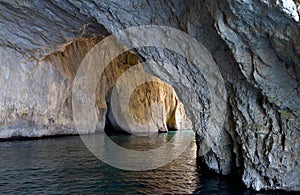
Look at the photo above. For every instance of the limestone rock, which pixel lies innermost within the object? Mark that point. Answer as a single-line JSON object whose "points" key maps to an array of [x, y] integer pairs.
{"points": [[38, 103], [254, 43], [263, 38]]}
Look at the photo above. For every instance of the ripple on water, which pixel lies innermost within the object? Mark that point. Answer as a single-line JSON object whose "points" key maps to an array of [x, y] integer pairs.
{"points": [[64, 165]]}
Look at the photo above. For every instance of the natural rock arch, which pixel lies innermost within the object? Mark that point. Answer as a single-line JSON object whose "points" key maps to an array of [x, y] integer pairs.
{"points": [[254, 43]]}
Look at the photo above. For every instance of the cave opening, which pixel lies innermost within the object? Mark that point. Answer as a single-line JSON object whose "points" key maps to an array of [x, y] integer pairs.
{"points": [[170, 115], [243, 98]]}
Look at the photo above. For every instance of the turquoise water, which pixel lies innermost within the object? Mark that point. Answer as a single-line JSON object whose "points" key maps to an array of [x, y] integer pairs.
{"points": [[64, 165]]}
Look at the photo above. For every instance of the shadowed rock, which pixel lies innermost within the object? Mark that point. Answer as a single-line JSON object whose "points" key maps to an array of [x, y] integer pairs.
{"points": [[254, 43]]}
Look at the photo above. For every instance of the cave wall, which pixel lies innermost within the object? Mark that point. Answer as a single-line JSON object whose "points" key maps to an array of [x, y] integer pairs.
{"points": [[254, 43], [38, 103], [170, 116], [263, 38]]}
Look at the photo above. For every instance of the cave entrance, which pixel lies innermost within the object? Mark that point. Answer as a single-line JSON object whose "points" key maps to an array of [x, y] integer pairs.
{"points": [[168, 115], [153, 102], [150, 102]]}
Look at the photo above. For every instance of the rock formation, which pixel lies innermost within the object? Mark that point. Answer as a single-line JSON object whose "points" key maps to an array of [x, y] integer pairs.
{"points": [[46, 108], [254, 43]]}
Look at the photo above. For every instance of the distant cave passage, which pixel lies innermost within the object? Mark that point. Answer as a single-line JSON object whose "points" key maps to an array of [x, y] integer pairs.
{"points": [[171, 116]]}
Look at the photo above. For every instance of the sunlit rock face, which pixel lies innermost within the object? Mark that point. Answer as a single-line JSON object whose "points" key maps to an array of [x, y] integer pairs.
{"points": [[39, 102], [254, 43], [141, 101]]}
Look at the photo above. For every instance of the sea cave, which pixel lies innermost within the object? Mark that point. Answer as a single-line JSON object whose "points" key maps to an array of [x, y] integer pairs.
{"points": [[150, 97]]}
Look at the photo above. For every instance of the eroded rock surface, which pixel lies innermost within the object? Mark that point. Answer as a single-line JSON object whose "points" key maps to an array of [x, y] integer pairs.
{"points": [[38, 103], [254, 43]]}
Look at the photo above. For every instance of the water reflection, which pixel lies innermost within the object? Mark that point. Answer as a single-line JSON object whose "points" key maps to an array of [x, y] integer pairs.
{"points": [[64, 165], [158, 150]]}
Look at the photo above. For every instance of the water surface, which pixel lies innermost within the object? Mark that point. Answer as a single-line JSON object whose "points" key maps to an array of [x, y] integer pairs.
{"points": [[65, 165]]}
